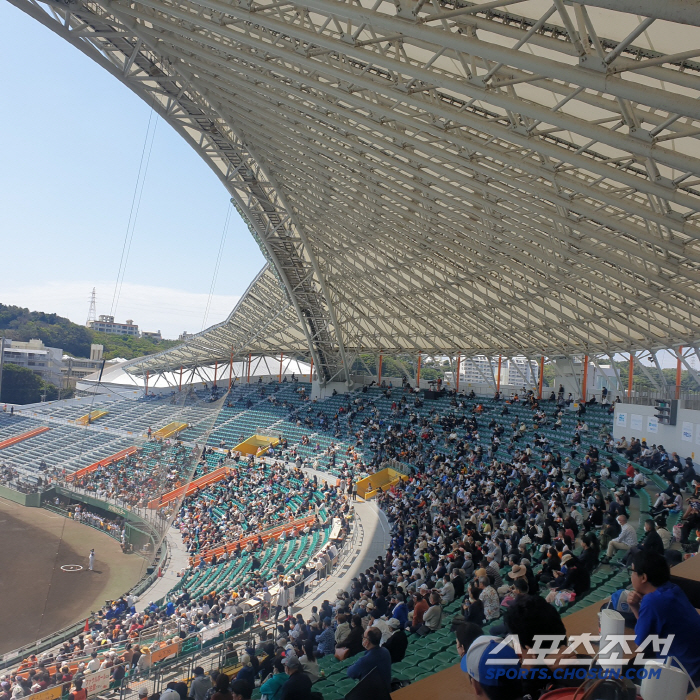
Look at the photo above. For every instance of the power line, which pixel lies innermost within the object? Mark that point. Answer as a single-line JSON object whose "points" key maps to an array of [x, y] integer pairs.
{"points": [[217, 265], [133, 212], [136, 214]]}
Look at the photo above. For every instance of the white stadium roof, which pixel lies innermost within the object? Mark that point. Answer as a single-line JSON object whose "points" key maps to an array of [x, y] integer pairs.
{"points": [[436, 176], [116, 378]]}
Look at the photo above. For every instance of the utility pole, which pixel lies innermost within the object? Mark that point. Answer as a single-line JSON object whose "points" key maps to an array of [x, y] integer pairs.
{"points": [[92, 313]]}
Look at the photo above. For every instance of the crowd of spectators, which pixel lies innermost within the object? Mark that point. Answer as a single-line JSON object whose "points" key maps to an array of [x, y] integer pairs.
{"points": [[17, 481], [252, 498], [513, 532], [154, 469], [505, 536], [413, 432], [115, 527]]}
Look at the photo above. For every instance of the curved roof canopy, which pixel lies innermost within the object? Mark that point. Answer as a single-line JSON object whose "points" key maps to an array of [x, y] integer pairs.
{"points": [[263, 318], [516, 176]]}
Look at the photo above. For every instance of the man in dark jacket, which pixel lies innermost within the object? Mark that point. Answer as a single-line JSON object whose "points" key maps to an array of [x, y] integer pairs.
{"points": [[458, 583], [651, 542], [574, 576], [397, 643], [353, 641], [375, 657], [532, 585], [298, 685], [689, 472]]}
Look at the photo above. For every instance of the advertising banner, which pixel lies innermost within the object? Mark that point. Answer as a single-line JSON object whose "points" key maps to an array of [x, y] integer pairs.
{"points": [[97, 682]]}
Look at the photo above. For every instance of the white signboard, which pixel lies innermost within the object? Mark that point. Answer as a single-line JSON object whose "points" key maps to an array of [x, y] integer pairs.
{"points": [[213, 632], [687, 432], [636, 422], [621, 420], [697, 434], [97, 682], [652, 424]]}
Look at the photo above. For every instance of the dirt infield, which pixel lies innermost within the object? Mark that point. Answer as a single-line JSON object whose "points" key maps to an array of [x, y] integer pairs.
{"points": [[37, 597]]}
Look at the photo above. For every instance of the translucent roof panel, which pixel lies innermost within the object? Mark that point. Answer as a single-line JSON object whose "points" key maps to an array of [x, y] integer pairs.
{"points": [[500, 177]]}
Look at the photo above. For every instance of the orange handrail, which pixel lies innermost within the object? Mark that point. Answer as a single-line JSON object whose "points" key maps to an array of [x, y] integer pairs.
{"points": [[102, 463], [24, 436], [274, 533], [205, 480]]}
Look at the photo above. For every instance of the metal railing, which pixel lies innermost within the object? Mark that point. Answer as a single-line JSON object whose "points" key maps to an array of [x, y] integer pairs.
{"points": [[213, 654], [210, 655], [687, 399], [401, 467]]}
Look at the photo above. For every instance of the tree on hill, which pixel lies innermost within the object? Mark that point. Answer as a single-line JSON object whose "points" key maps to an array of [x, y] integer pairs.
{"points": [[128, 347], [401, 366], [53, 330], [58, 332], [641, 381], [21, 385]]}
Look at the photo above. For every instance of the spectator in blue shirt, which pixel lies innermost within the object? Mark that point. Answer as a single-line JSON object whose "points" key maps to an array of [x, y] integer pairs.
{"points": [[326, 640], [663, 609], [375, 657], [246, 673], [400, 610]]}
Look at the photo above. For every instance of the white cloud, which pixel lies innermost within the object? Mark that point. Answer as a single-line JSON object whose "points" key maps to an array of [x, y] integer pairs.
{"points": [[171, 311]]}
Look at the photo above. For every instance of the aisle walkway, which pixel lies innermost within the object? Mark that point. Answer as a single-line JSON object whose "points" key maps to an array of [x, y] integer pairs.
{"points": [[370, 540], [177, 561]]}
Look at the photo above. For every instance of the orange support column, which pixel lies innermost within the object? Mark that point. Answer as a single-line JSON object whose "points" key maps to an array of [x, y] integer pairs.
{"points": [[216, 369], [379, 374], [180, 389], [585, 377], [539, 387], [249, 368], [418, 373], [281, 358], [630, 376], [230, 371], [498, 376], [459, 359], [678, 373]]}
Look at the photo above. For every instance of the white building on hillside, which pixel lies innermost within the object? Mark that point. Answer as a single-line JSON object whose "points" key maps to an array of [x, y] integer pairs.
{"points": [[34, 355], [106, 324]]}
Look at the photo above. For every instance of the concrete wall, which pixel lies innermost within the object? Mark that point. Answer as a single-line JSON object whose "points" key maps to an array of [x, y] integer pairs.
{"points": [[31, 500], [632, 420]]}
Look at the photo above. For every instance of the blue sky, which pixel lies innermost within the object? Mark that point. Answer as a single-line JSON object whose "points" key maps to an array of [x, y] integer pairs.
{"points": [[70, 146]]}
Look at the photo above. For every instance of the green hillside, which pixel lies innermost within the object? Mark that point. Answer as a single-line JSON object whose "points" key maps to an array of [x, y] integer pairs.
{"points": [[58, 332]]}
